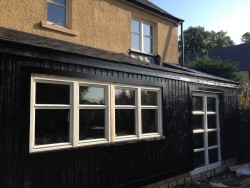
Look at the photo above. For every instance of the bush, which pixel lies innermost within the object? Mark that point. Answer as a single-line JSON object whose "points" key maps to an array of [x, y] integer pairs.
{"points": [[244, 109]]}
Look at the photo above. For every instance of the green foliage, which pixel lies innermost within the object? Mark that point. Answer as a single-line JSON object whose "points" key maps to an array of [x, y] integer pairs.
{"points": [[244, 109], [244, 95], [245, 37], [216, 67], [198, 40]]}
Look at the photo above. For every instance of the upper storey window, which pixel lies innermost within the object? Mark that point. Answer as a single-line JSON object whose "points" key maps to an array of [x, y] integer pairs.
{"points": [[141, 36], [57, 12]]}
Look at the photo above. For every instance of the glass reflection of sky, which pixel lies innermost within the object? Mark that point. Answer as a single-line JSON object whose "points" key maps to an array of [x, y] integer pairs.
{"points": [[92, 95]]}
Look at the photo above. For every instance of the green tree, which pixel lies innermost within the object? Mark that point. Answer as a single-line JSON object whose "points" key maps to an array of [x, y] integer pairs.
{"points": [[198, 40], [216, 67], [195, 40], [218, 40], [245, 37]]}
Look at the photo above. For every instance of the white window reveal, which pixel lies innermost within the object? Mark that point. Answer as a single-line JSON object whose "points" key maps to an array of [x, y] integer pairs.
{"points": [[206, 132], [141, 36], [57, 12], [67, 112]]}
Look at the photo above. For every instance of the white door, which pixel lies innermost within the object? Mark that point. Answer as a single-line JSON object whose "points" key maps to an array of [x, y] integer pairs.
{"points": [[206, 132]]}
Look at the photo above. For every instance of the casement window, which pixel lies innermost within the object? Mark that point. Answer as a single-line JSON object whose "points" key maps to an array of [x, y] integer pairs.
{"points": [[142, 36], [67, 112], [206, 132], [57, 12]]}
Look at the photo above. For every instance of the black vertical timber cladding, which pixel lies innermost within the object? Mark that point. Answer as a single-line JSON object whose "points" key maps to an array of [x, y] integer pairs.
{"points": [[113, 165], [1, 115]]}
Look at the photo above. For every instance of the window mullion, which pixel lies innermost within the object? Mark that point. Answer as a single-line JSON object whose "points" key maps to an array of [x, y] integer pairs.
{"points": [[75, 114], [32, 114], [112, 112], [206, 133], [159, 103], [141, 37], [108, 113], [139, 121]]}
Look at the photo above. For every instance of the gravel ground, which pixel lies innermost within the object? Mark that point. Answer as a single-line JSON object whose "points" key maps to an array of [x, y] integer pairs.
{"points": [[226, 179]]}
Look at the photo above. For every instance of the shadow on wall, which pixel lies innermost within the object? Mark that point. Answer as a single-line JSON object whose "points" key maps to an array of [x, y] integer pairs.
{"points": [[167, 43]]}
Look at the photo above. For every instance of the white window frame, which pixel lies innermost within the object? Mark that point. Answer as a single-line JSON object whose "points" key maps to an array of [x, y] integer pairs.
{"points": [[141, 36], [75, 107], [206, 130], [66, 12], [138, 107]]}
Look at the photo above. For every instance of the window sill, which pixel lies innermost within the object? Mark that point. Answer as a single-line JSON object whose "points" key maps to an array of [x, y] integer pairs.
{"points": [[58, 28], [142, 53]]}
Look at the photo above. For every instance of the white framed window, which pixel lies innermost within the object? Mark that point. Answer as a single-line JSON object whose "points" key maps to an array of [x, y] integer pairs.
{"points": [[69, 112], [57, 12], [142, 36], [206, 132], [137, 112]]}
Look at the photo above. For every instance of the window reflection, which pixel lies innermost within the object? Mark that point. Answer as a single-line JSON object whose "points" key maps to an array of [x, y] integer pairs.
{"points": [[91, 124], [198, 122], [91, 95], [199, 159], [135, 40], [147, 45], [135, 26], [212, 138], [56, 14], [124, 122], [149, 98], [124, 97], [213, 155], [197, 103], [52, 126], [211, 104], [211, 121], [198, 140], [147, 29], [47, 93], [149, 121]]}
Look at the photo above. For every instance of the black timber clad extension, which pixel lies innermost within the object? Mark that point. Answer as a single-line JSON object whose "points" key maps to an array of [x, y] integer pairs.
{"points": [[107, 165]]}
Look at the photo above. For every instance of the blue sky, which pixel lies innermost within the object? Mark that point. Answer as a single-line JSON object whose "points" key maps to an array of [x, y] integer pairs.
{"points": [[232, 16]]}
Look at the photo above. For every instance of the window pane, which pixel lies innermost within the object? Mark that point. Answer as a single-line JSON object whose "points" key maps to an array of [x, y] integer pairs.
{"points": [[199, 159], [135, 41], [124, 97], [124, 122], [147, 30], [213, 155], [149, 98], [212, 138], [211, 107], [51, 126], [197, 103], [211, 121], [135, 26], [91, 95], [149, 121], [198, 122], [147, 45], [56, 14], [198, 140], [91, 124], [52, 93]]}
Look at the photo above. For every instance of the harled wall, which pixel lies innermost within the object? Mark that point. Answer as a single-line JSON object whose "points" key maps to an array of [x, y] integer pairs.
{"points": [[103, 24]]}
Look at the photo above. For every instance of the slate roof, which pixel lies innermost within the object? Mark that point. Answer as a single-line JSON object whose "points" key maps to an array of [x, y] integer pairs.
{"points": [[238, 53], [148, 6], [19, 37]]}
